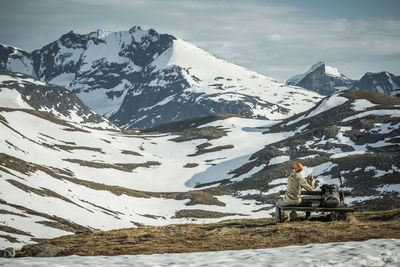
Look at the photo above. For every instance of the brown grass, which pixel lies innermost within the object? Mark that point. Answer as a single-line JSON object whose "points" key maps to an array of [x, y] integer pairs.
{"points": [[196, 213], [11, 230], [9, 238], [202, 149], [126, 167], [128, 152], [226, 235], [191, 165], [69, 148]]}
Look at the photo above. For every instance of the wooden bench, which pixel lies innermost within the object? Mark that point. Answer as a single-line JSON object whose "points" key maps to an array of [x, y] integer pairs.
{"points": [[315, 197]]}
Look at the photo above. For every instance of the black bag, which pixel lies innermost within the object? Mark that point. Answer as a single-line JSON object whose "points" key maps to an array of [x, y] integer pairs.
{"points": [[330, 196]]}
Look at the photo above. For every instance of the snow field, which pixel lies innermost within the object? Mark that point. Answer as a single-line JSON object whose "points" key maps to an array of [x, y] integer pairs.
{"points": [[375, 252]]}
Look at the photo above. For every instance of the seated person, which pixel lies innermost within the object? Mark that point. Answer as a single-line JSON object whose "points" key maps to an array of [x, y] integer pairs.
{"points": [[293, 192]]}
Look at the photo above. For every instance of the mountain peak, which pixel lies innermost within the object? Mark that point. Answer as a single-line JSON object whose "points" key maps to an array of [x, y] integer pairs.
{"points": [[317, 65], [322, 78], [383, 82]]}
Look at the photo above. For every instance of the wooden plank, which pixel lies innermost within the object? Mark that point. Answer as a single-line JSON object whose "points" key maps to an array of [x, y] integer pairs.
{"points": [[312, 198], [317, 209], [317, 192]]}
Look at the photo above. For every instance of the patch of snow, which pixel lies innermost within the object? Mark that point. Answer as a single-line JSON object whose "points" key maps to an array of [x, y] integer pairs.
{"points": [[319, 169], [362, 105], [384, 128], [309, 157], [369, 168], [327, 104], [331, 71], [275, 190], [278, 181], [279, 160], [389, 188], [346, 154]]}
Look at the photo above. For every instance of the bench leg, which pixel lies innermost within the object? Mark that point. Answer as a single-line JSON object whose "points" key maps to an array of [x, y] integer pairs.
{"points": [[308, 215]]}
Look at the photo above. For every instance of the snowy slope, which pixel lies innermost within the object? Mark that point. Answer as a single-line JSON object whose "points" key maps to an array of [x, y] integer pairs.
{"points": [[140, 78], [323, 79], [51, 172]]}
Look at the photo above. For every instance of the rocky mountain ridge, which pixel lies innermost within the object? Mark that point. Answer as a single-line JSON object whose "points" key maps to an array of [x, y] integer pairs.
{"points": [[140, 78]]}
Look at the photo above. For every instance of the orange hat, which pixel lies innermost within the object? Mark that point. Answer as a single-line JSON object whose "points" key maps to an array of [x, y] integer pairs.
{"points": [[298, 167]]}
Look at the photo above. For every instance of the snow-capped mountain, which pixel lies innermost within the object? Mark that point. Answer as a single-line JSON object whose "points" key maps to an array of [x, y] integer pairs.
{"points": [[383, 82], [140, 78], [323, 79], [59, 101], [57, 178]]}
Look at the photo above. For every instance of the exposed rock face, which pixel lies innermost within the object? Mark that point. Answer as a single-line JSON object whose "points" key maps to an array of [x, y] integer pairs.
{"points": [[140, 78], [323, 79], [7, 253], [383, 82], [44, 250]]}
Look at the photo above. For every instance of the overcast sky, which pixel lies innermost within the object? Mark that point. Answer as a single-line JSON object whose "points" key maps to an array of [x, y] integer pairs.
{"points": [[276, 38]]}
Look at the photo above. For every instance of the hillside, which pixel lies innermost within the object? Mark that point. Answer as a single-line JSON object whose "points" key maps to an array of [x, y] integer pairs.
{"points": [[58, 177], [141, 78]]}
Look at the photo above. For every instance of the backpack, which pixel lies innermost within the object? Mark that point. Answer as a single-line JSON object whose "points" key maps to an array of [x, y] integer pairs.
{"points": [[330, 196]]}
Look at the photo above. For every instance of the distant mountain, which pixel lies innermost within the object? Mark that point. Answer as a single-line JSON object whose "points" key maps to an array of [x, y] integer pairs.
{"points": [[323, 79], [59, 101], [383, 82], [58, 178], [140, 78], [327, 80]]}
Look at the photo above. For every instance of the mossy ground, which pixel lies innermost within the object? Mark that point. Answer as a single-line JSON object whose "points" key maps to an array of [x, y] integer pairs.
{"points": [[227, 235]]}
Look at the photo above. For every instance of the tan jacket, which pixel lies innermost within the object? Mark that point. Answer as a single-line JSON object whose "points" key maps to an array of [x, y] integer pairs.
{"points": [[293, 191]]}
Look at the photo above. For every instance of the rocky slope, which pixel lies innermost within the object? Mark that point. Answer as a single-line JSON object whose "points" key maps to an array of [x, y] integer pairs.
{"points": [[140, 78], [353, 135], [323, 79], [57, 177]]}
